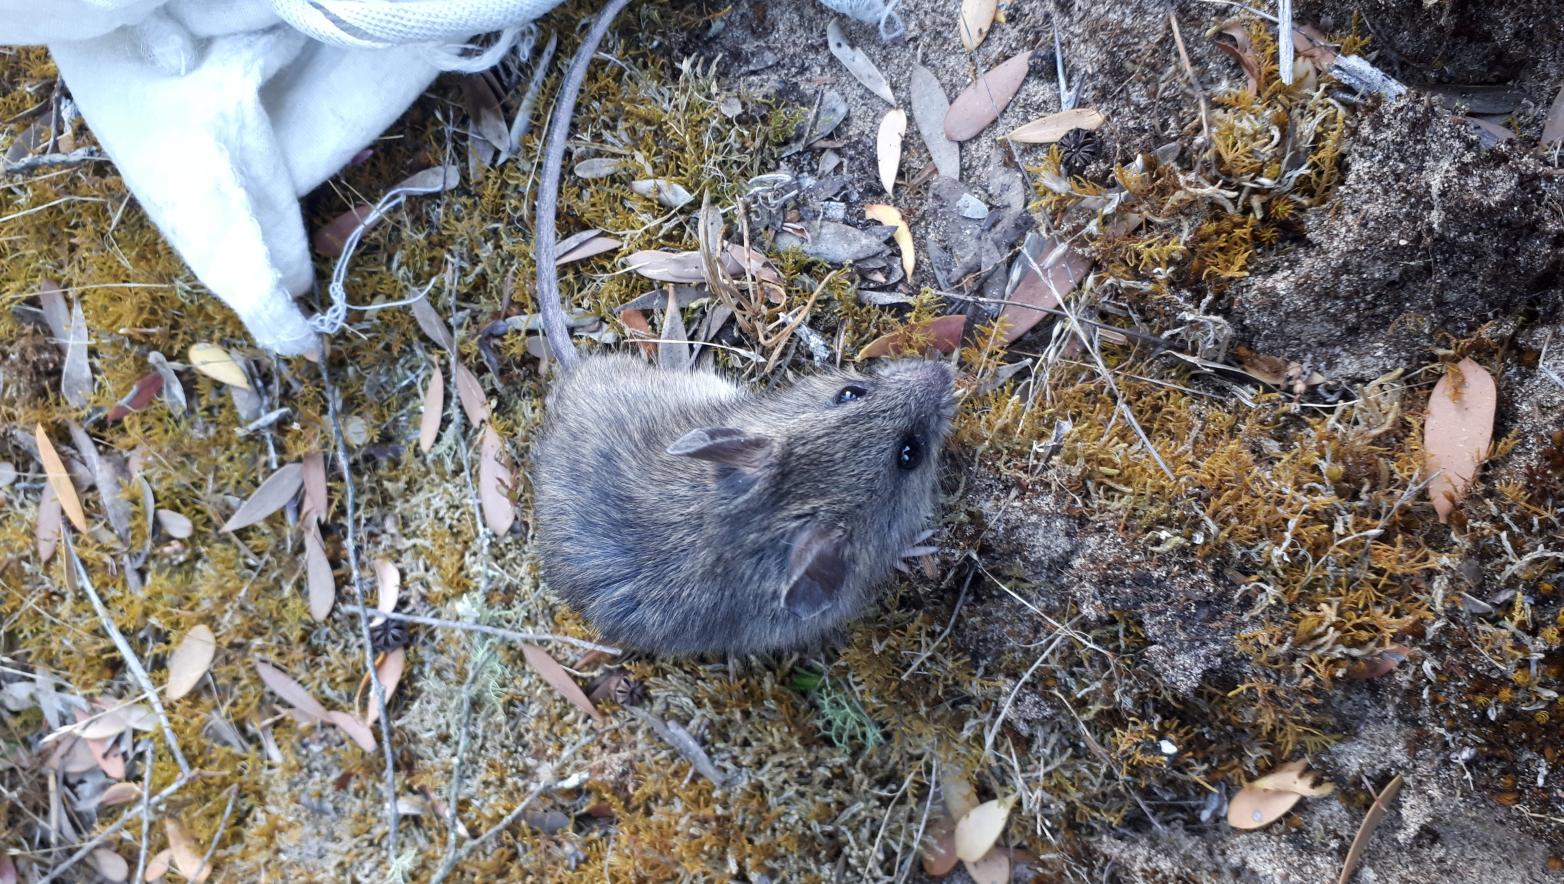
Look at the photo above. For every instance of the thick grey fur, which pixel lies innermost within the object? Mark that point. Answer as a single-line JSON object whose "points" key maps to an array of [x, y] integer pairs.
{"points": [[680, 555], [777, 517]]}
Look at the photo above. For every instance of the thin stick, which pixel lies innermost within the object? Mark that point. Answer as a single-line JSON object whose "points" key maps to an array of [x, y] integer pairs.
{"points": [[146, 811], [496, 631], [233, 793], [132, 662], [77, 157], [1189, 69], [510, 818], [350, 544]]}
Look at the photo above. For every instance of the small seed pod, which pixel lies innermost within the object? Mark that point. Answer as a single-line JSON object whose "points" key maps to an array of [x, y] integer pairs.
{"points": [[1078, 148]]}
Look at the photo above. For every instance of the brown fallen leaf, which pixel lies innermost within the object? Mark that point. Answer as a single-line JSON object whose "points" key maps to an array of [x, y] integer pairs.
{"points": [[60, 480], [314, 472], [119, 793], [388, 584], [1458, 431], [434, 405], [958, 793], [389, 667], [190, 660], [1376, 812], [1553, 126], [109, 864], [669, 194], [186, 853], [320, 583], [666, 266], [330, 239], [76, 373], [494, 483], [217, 364], [993, 868], [1378, 664], [942, 334], [1034, 295], [470, 392], [977, 16], [1265, 800], [635, 322], [939, 852], [50, 521], [981, 103], [290, 691], [553, 673], [980, 828], [1241, 47], [104, 753], [272, 495], [1049, 128], [483, 109], [893, 127], [159, 864], [432, 324], [355, 730]]}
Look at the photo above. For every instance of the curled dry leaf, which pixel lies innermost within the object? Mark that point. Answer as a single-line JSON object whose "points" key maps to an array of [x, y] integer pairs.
{"points": [[887, 146], [291, 692], [598, 167], [857, 64], [320, 582], [959, 795], [890, 215], [175, 525], [434, 405], [104, 753], [1376, 812], [982, 102], [559, 679], [470, 392], [942, 334], [272, 495], [389, 667], [635, 322], [50, 521], [186, 853], [355, 730], [190, 660], [669, 194], [667, 266], [141, 394], [1378, 664], [977, 831], [585, 248], [977, 16], [939, 851], [60, 480], [1458, 431], [217, 364], [494, 484], [1049, 128], [76, 374], [929, 107]]}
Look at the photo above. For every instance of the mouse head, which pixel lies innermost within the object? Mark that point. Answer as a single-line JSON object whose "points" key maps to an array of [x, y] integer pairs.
{"points": [[842, 465]]}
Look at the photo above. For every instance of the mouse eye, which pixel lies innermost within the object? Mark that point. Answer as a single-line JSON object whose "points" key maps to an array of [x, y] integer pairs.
{"points": [[910, 454], [850, 393]]}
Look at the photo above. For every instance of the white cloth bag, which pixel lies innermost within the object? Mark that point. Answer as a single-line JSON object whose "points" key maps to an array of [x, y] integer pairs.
{"points": [[220, 114]]}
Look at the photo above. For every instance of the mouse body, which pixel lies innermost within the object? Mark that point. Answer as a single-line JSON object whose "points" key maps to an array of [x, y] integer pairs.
{"points": [[682, 513]]}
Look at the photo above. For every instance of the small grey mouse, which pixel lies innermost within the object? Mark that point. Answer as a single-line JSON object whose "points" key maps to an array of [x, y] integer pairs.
{"points": [[682, 513]]}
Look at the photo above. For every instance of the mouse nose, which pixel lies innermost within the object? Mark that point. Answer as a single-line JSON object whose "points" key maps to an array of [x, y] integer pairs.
{"points": [[934, 379]]}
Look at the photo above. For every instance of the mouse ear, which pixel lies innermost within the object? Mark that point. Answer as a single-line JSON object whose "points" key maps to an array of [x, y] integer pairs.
{"points": [[818, 568], [724, 445]]}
